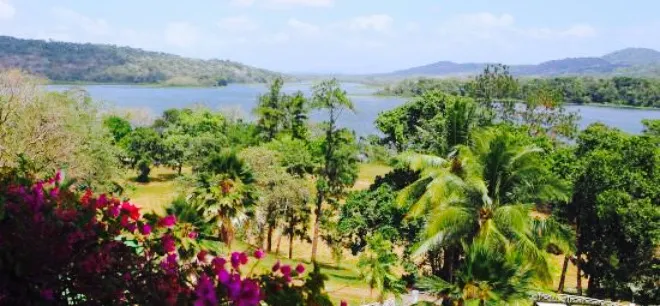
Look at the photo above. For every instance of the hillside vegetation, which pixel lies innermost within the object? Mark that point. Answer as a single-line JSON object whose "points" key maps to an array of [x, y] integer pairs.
{"points": [[73, 62]]}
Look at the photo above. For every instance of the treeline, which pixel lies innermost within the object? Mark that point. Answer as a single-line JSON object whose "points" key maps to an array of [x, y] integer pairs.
{"points": [[628, 91], [74, 62]]}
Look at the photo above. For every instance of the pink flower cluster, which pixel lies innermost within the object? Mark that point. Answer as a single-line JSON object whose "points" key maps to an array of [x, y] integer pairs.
{"points": [[241, 291], [85, 239]]}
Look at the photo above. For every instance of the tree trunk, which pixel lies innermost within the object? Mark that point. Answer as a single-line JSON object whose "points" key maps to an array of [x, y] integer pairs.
{"points": [[579, 275], [560, 289], [317, 224], [279, 242], [179, 170], [269, 239], [291, 245], [450, 258]]}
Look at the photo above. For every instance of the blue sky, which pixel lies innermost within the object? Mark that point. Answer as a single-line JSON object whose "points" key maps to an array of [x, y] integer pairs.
{"points": [[347, 36]]}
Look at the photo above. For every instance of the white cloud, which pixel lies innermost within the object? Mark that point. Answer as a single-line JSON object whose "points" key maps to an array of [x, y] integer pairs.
{"points": [[7, 11], [181, 34], [238, 24], [377, 22], [93, 26], [243, 3], [486, 20], [313, 3], [303, 27], [580, 30]]}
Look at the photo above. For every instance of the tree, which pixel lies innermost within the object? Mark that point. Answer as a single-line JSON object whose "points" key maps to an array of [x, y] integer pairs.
{"points": [[54, 131], [367, 213], [495, 89], [338, 168], [482, 193], [485, 278], [296, 116], [431, 123], [224, 193], [616, 207], [376, 266], [118, 127], [283, 199], [270, 110], [143, 146], [295, 155]]}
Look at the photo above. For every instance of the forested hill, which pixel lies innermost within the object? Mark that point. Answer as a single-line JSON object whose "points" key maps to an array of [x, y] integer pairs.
{"points": [[73, 62], [626, 62]]}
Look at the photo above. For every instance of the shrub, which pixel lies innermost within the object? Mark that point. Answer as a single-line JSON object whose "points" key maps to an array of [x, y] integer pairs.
{"points": [[58, 246]]}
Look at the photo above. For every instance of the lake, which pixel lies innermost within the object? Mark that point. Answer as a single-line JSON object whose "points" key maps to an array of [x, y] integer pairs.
{"points": [[243, 97]]}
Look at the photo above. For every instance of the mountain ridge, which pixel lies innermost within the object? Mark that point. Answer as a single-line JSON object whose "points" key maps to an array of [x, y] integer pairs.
{"points": [[628, 61], [103, 63]]}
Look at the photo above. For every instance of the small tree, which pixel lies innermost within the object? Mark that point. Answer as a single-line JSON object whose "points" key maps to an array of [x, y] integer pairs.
{"points": [[338, 167], [376, 266], [143, 146]]}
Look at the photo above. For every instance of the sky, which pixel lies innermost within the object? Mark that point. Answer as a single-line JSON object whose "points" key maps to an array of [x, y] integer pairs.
{"points": [[345, 36]]}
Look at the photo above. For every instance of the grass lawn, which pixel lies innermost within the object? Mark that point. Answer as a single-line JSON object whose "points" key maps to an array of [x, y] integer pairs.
{"points": [[344, 281]]}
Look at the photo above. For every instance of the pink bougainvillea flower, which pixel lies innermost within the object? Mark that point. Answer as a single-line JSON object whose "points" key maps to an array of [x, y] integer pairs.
{"points": [[223, 275], [146, 229], [259, 254], [168, 243], [170, 264], [286, 270], [300, 268], [132, 210], [243, 258], [168, 221], [192, 235], [250, 294], [276, 266], [287, 278], [205, 292], [343, 303], [201, 256], [235, 259]]}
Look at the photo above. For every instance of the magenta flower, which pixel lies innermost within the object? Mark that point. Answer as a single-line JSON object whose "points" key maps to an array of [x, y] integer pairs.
{"points": [[259, 254], [276, 266], [243, 258], [300, 268], [192, 235], [205, 292], [168, 221], [286, 270], [201, 256], [343, 303], [168, 243], [223, 275], [170, 264], [146, 229]]}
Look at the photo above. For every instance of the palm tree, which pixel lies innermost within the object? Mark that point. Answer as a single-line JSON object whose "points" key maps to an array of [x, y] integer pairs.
{"points": [[486, 277], [376, 266], [482, 193], [224, 194]]}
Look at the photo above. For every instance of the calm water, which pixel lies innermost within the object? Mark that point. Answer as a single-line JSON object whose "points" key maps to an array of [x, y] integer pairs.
{"points": [[243, 97]]}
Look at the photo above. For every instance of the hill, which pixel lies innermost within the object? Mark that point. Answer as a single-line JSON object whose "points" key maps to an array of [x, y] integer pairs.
{"points": [[634, 57], [631, 61], [73, 62]]}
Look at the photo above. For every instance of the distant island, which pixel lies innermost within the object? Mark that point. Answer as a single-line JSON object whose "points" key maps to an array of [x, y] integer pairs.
{"points": [[66, 62]]}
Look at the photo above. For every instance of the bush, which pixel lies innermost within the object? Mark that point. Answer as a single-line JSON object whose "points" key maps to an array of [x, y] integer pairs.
{"points": [[58, 246]]}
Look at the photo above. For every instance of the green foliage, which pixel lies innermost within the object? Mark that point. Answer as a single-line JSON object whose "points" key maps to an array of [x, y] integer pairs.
{"points": [[433, 122], [485, 278], [278, 112], [142, 147], [73, 62], [295, 155], [368, 213], [118, 127], [54, 131], [483, 193], [376, 266], [616, 204]]}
